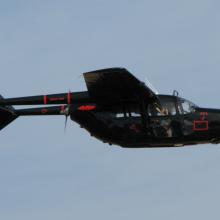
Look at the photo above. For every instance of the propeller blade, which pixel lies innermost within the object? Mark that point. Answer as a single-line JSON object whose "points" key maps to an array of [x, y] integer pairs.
{"points": [[65, 124], [67, 113]]}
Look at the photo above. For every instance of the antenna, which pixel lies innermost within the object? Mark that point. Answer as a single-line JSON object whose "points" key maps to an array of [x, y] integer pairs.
{"points": [[147, 82], [175, 93]]}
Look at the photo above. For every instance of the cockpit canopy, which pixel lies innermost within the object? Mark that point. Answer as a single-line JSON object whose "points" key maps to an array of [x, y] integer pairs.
{"points": [[169, 105], [165, 106]]}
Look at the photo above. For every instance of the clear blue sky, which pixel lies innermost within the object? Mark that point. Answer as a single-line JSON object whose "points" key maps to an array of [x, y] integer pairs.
{"points": [[45, 45]]}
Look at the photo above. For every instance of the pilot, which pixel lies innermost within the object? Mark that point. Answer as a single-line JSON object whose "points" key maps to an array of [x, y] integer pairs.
{"points": [[164, 111]]}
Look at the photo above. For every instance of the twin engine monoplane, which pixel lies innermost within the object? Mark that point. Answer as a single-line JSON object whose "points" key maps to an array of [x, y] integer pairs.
{"points": [[121, 110]]}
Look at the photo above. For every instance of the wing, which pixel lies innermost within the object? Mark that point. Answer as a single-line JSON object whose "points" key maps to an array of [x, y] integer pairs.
{"points": [[116, 85]]}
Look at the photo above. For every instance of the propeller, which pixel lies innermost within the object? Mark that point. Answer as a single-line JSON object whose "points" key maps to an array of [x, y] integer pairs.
{"points": [[66, 119], [67, 110], [67, 114]]}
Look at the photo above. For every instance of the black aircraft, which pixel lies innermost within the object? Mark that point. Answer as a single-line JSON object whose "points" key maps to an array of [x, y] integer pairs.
{"points": [[119, 109]]}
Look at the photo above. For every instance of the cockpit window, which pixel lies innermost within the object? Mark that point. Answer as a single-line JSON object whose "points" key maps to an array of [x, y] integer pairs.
{"points": [[164, 108], [187, 106]]}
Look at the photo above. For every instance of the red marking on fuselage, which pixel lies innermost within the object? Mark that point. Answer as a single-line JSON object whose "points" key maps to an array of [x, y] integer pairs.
{"points": [[203, 115], [45, 100], [135, 128], [200, 125], [62, 108], [44, 111], [57, 99], [69, 98], [87, 108]]}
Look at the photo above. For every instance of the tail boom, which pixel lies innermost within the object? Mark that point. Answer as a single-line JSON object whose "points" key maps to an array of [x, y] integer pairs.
{"points": [[54, 99], [67, 103], [54, 110]]}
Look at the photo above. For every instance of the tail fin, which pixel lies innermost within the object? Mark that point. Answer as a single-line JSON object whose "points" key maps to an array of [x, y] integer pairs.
{"points": [[7, 115]]}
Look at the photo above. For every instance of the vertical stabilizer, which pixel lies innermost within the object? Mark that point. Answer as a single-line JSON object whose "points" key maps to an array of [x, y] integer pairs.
{"points": [[7, 115]]}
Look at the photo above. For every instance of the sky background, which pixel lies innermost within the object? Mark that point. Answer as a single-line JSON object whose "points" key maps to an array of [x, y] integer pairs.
{"points": [[45, 46]]}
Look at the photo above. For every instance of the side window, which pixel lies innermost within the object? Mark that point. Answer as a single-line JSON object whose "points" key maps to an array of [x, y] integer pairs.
{"points": [[128, 115], [127, 111], [187, 106], [170, 108], [164, 108]]}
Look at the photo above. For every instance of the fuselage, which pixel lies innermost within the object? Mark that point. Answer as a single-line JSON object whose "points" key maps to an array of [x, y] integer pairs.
{"points": [[183, 123]]}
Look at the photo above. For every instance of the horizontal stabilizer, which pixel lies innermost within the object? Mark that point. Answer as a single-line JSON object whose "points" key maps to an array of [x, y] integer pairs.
{"points": [[7, 115]]}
